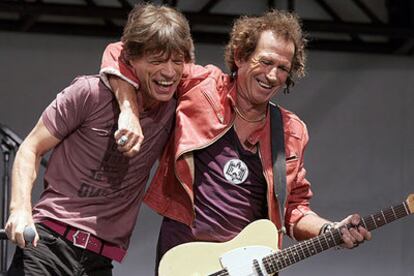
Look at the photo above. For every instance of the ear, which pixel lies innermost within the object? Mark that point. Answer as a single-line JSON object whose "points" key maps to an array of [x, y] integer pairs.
{"points": [[237, 59]]}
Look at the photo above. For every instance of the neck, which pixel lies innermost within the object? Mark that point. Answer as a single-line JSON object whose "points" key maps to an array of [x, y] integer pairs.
{"points": [[244, 130], [151, 104], [249, 112], [246, 118], [146, 102]]}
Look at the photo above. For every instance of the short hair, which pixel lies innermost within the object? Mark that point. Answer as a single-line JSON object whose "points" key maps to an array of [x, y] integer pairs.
{"points": [[157, 29], [246, 33]]}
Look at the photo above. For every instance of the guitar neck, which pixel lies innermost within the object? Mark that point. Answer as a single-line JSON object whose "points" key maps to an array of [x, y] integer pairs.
{"points": [[293, 254]]}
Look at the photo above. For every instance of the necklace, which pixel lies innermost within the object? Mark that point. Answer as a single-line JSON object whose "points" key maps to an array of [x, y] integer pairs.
{"points": [[245, 145], [247, 119]]}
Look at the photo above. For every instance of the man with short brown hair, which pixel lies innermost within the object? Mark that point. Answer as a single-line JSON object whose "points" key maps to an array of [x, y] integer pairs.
{"points": [[87, 211]]}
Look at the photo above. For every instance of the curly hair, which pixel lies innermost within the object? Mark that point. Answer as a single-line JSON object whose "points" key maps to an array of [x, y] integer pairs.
{"points": [[246, 33], [157, 29]]}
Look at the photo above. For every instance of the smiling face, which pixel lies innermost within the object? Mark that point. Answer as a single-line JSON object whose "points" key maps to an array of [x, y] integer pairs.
{"points": [[265, 71], [159, 74]]}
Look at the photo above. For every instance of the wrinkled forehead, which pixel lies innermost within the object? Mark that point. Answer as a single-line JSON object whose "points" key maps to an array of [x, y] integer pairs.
{"points": [[163, 52], [270, 43]]}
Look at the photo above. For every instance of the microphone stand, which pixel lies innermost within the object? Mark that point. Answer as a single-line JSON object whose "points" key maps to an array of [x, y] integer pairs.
{"points": [[7, 146], [10, 142]]}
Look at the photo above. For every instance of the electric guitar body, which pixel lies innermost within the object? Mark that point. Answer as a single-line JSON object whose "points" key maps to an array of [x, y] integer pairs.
{"points": [[258, 239]]}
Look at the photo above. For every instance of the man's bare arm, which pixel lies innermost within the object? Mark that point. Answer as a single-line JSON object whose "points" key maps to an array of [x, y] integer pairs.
{"points": [[24, 174], [129, 135]]}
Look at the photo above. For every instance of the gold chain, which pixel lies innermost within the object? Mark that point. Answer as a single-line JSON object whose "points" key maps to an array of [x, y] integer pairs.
{"points": [[247, 119]]}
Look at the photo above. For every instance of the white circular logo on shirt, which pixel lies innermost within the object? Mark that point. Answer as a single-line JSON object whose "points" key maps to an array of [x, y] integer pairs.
{"points": [[235, 171]]}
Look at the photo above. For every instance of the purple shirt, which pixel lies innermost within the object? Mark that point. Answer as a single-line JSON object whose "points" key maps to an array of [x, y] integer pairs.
{"points": [[89, 184], [224, 206], [228, 194]]}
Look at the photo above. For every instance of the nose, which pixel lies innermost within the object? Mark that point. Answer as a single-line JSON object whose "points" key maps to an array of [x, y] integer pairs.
{"points": [[168, 69], [272, 75]]}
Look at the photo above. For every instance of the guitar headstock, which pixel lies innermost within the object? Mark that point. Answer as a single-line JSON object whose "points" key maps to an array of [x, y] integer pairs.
{"points": [[410, 203]]}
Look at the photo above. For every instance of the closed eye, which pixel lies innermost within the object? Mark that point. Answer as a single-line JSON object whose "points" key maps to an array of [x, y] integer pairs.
{"points": [[266, 62], [283, 68], [293, 157], [178, 61]]}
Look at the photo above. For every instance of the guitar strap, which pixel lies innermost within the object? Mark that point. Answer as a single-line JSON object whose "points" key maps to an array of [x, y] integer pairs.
{"points": [[279, 160]]}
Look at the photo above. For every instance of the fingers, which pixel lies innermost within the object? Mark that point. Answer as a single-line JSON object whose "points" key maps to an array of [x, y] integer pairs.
{"points": [[123, 140], [351, 237], [352, 232], [20, 242], [129, 143], [28, 235], [347, 238], [10, 231], [129, 135], [16, 234], [365, 233], [136, 147], [18, 220]]}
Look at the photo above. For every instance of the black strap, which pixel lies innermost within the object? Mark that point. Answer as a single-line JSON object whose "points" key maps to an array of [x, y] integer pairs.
{"points": [[278, 159]]}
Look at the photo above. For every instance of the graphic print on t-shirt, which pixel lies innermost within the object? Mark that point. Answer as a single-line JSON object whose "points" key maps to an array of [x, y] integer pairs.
{"points": [[111, 172], [235, 171]]}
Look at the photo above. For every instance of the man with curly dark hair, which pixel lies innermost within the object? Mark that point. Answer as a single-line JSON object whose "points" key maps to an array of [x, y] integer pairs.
{"points": [[247, 30], [215, 176]]}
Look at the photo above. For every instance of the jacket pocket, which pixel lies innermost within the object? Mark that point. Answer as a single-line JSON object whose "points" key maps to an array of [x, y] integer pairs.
{"points": [[214, 104]]}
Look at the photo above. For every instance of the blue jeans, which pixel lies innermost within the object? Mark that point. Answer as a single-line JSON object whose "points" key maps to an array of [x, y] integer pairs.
{"points": [[54, 255]]}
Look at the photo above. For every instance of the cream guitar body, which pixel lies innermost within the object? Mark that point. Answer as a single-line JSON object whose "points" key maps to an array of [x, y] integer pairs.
{"points": [[257, 240], [254, 251]]}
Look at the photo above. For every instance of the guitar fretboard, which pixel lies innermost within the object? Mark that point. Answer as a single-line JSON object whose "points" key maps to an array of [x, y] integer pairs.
{"points": [[293, 254]]}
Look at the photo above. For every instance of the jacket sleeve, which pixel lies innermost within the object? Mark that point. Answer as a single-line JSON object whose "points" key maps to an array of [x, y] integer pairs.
{"points": [[194, 75], [113, 63], [298, 200]]}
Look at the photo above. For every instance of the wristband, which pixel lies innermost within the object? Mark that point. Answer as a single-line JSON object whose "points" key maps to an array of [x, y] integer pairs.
{"points": [[327, 227]]}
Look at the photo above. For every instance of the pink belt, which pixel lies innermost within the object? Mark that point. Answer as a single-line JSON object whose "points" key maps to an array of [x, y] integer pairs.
{"points": [[86, 240]]}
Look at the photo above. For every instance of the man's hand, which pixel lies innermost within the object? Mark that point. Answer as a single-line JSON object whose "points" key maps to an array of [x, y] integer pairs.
{"points": [[354, 235], [16, 225], [129, 136]]}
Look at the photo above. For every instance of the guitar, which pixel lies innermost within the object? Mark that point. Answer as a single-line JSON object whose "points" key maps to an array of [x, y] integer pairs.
{"points": [[254, 250]]}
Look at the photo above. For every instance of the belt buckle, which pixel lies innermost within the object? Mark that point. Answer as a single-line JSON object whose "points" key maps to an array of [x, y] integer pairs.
{"points": [[81, 238]]}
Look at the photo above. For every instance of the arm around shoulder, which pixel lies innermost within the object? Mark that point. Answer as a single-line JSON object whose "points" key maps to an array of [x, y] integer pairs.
{"points": [[119, 76], [129, 135]]}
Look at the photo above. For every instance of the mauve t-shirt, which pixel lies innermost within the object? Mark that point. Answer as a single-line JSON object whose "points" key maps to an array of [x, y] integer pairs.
{"points": [[229, 194], [89, 184]]}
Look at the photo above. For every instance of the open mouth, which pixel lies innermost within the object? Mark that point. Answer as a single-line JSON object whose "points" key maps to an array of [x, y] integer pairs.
{"points": [[164, 83], [264, 84]]}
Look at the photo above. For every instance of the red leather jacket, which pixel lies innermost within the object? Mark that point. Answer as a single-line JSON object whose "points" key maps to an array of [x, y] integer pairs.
{"points": [[204, 113]]}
